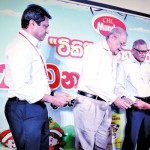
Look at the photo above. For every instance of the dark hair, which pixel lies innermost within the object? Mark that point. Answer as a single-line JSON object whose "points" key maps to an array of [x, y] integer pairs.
{"points": [[61, 142], [34, 12], [138, 42]]}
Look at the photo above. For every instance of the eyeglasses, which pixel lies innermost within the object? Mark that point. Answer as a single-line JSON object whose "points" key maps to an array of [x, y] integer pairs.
{"points": [[142, 51]]}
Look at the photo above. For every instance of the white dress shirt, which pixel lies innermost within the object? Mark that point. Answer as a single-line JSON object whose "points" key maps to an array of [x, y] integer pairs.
{"points": [[99, 72], [133, 79], [25, 73]]}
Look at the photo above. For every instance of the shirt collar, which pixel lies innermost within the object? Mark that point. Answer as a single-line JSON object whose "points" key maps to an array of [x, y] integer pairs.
{"points": [[105, 45], [31, 38]]}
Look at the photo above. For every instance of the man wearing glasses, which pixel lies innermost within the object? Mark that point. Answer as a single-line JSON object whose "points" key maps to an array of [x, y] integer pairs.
{"points": [[133, 83]]}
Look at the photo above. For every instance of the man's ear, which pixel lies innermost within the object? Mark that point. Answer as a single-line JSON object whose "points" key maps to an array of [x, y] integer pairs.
{"points": [[132, 51], [31, 23]]}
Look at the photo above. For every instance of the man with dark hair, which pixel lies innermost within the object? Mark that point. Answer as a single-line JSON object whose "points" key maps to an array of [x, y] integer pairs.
{"points": [[133, 82], [27, 79], [92, 111]]}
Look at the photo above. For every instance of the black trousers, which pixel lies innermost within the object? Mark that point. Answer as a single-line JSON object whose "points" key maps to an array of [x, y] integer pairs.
{"points": [[28, 123], [137, 130]]}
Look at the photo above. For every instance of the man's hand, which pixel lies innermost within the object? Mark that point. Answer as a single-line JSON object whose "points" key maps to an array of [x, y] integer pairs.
{"points": [[141, 104], [129, 101], [59, 99], [124, 103]]}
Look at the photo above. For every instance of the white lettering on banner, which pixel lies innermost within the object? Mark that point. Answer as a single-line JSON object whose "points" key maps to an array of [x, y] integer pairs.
{"points": [[101, 26]]}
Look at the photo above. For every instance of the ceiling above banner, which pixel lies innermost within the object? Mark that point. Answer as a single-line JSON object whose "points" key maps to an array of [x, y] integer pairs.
{"points": [[136, 8]]}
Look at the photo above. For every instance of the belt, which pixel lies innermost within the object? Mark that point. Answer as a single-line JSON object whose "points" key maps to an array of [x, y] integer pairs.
{"points": [[90, 95], [18, 100], [145, 99]]}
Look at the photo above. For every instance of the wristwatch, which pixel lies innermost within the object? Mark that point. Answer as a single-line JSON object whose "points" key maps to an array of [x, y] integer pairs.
{"points": [[52, 92], [122, 97]]}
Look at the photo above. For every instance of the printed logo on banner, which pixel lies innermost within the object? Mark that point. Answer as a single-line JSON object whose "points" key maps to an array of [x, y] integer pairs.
{"points": [[103, 23]]}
